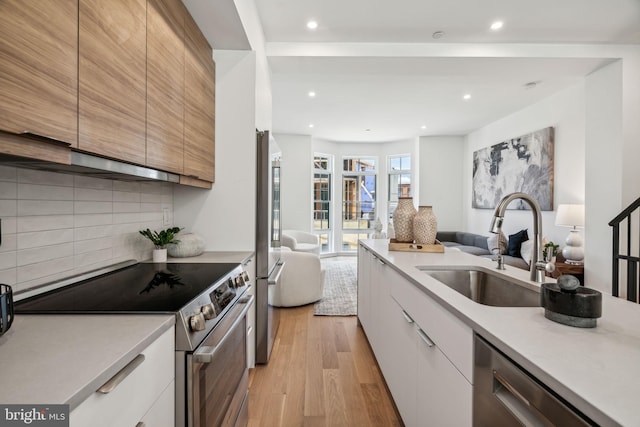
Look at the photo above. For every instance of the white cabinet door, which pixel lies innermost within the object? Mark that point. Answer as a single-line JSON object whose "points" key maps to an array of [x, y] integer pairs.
{"points": [[132, 398], [401, 372], [364, 286], [444, 394], [162, 413]]}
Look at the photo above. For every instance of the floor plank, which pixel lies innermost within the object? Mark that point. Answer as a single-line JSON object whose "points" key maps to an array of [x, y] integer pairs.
{"points": [[321, 373]]}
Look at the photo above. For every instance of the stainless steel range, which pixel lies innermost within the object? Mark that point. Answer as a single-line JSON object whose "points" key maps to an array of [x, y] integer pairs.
{"points": [[210, 307]]}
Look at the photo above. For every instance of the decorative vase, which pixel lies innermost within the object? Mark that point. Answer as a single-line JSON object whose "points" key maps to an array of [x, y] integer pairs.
{"points": [[160, 255], [190, 244], [403, 219], [425, 226]]}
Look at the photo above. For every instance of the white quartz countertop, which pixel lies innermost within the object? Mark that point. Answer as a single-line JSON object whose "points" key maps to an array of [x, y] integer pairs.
{"points": [[62, 359], [596, 369]]}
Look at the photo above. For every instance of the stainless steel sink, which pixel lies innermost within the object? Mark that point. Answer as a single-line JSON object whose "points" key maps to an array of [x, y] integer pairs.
{"points": [[486, 288]]}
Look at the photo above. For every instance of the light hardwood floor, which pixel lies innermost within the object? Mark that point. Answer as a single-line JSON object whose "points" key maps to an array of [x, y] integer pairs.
{"points": [[321, 373]]}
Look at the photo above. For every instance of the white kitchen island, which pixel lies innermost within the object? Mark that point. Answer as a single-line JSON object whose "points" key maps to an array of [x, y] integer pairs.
{"points": [[596, 370]]}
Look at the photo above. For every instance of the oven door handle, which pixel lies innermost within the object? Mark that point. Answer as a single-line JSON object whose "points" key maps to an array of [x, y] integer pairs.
{"points": [[205, 354]]}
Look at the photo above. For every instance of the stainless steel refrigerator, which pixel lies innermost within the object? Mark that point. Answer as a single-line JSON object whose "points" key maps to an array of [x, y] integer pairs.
{"points": [[269, 267]]}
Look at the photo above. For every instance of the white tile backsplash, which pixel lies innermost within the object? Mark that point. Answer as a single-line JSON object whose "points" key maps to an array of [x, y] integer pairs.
{"points": [[55, 225]]}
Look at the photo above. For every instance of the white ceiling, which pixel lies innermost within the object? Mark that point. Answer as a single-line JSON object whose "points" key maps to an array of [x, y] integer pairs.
{"points": [[375, 65]]}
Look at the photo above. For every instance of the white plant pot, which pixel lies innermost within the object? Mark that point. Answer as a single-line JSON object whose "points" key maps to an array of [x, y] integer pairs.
{"points": [[160, 255]]}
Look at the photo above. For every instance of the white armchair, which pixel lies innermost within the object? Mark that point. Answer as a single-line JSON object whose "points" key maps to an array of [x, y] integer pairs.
{"points": [[301, 282], [301, 241]]}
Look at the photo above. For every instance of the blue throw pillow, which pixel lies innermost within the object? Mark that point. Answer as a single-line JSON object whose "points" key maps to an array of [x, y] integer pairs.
{"points": [[515, 241]]}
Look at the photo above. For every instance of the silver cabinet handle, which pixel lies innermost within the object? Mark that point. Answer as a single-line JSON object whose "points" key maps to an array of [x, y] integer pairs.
{"points": [[407, 317], [280, 267], [110, 385], [140, 424], [425, 338]]}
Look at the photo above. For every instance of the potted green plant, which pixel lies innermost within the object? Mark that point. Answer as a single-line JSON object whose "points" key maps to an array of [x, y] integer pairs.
{"points": [[550, 251], [160, 240]]}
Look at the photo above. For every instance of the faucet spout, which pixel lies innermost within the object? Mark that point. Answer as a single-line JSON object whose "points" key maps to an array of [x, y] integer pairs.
{"points": [[538, 266]]}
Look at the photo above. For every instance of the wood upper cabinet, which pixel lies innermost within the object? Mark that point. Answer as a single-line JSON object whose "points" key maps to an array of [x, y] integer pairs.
{"points": [[199, 104], [39, 68], [112, 79], [165, 85]]}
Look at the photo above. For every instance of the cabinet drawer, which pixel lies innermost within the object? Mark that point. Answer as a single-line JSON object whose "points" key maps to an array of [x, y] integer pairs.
{"points": [[129, 401], [449, 333]]}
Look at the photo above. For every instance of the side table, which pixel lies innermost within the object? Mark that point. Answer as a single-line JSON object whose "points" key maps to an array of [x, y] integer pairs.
{"points": [[573, 269]]}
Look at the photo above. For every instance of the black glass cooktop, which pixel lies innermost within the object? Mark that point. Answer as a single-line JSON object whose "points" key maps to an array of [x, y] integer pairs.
{"points": [[140, 288]]}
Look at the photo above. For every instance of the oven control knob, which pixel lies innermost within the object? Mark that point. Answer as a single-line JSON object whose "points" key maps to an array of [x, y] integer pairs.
{"points": [[245, 277], [232, 283], [209, 311], [196, 322]]}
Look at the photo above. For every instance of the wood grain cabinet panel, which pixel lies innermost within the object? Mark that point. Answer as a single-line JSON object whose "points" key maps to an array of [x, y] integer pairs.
{"points": [[112, 79], [165, 85], [199, 106], [39, 68]]}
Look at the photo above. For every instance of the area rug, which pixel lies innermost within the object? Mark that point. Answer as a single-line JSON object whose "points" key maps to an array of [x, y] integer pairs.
{"points": [[340, 294]]}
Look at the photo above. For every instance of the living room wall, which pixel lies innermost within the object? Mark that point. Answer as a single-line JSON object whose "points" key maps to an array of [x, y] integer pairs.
{"points": [[565, 112]]}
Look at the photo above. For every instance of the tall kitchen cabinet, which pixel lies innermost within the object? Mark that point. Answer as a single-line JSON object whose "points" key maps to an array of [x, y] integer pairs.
{"points": [[165, 85], [112, 79], [199, 105], [39, 68]]}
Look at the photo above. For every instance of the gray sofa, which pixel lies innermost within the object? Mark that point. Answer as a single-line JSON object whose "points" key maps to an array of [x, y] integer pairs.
{"points": [[475, 244]]}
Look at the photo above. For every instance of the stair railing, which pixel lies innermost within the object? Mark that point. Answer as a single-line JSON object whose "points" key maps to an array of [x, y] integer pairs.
{"points": [[632, 260]]}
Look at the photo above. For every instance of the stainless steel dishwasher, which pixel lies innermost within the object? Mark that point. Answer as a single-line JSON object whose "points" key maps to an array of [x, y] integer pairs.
{"points": [[505, 395]]}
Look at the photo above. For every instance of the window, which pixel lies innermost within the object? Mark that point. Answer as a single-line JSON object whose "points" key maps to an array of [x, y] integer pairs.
{"points": [[322, 167], [399, 181], [358, 200]]}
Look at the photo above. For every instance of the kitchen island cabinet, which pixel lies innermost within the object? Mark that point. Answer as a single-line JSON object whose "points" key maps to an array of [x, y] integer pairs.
{"points": [[39, 63], [594, 370], [112, 79], [401, 324]]}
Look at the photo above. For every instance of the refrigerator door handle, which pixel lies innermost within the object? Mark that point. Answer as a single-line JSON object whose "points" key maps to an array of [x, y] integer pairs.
{"points": [[275, 276]]}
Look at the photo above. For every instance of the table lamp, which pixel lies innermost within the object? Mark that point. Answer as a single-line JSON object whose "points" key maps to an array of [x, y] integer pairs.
{"points": [[572, 216]]}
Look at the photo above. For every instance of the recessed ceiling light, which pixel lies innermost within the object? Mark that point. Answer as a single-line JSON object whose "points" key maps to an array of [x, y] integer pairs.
{"points": [[312, 94], [310, 125], [312, 25], [367, 130], [496, 25], [466, 96], [423, 127], [438, 34]]}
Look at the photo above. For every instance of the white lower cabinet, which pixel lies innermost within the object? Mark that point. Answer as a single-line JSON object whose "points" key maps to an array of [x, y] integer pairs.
{"points": [[145, 382], [425, 353]]}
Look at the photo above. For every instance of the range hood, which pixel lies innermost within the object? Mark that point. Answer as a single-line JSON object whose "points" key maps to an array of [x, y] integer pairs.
{"points": [[98, 167]]}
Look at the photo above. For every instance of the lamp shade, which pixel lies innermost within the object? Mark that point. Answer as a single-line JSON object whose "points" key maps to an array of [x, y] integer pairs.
{"points": [[570, 215]]}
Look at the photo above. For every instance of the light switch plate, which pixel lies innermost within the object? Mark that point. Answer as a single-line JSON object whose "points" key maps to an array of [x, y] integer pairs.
{"points": [[166, 216]]}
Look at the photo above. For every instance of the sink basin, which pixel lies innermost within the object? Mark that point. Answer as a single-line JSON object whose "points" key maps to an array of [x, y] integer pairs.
{"points": [[486, 288]]}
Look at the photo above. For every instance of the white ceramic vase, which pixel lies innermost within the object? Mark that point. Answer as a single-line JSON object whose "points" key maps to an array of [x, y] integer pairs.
{"points": [[190, 244], [403, 219], [425, 226]]}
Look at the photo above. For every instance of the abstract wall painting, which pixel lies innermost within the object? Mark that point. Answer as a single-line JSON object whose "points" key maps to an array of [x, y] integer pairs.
{"points": [[523, 164]]}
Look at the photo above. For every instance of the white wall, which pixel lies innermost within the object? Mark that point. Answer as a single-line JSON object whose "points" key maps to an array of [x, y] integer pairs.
{"points": [[225, 215], [604, 169], [57, 225], [565, 112], [441, 168]]}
